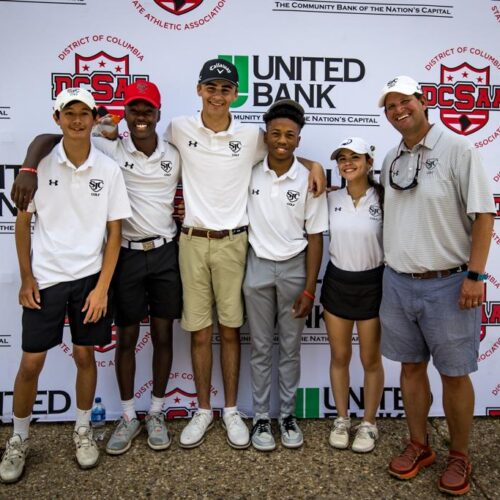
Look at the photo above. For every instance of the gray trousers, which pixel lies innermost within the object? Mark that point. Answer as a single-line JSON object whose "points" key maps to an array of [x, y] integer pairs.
{"points": [[270, 289]]}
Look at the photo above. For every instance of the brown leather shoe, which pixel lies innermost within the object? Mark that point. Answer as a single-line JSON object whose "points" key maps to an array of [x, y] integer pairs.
{"points": [[416, 456], [455, 479]]}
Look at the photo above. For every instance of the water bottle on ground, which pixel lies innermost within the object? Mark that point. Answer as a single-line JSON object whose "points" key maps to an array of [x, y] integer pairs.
{"points": [[98, 415]]}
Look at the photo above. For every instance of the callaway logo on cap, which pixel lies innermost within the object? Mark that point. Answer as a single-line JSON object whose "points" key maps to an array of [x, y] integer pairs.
{"points": [[218, 69]]}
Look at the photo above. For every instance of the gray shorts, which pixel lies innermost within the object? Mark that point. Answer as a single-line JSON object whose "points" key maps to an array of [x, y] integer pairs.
{"points": [[421, 318]]}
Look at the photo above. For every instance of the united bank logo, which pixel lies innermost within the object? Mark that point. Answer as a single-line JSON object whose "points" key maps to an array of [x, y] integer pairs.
{"points": [[103, 74], [464, 97], [312, 81]]}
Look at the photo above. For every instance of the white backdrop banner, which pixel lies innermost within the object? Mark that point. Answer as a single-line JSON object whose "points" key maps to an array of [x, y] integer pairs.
{"points": [[332, 56]]}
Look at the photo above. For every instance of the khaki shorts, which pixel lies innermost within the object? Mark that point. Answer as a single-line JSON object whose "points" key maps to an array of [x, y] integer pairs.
{"points": [[212, 272]]}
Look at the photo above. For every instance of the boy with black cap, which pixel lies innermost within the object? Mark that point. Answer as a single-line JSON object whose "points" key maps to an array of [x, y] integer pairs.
{"points": [[217, 158], [63, 272], [286, 247]]}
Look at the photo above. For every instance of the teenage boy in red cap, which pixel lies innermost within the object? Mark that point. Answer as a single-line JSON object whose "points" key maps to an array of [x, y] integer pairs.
{"points": [[66, 269]]}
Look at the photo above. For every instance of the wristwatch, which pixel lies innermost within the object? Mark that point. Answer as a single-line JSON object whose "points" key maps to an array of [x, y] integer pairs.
{"points": [[472, 275]]}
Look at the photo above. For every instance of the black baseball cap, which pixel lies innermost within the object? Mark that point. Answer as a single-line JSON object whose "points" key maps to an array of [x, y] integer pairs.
{"points": [[219, 69]]}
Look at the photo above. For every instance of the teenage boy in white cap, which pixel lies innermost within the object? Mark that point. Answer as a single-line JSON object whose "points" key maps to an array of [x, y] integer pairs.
{"points": [[217, 158], [286, 247], [147, 278], [66, 270], [438, 220]]}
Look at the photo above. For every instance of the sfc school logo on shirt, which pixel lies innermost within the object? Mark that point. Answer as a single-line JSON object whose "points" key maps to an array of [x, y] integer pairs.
{"points": [[96, 186], [166, 166], [292, 197]]}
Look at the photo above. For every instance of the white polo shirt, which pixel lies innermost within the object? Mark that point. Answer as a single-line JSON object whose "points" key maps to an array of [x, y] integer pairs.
{"points": [[355, 231], [282, 212], [151, 184], [216, 169], [72, 208], [429, 227]]}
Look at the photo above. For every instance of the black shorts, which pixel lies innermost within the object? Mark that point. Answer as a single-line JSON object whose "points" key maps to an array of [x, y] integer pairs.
{"points": [[43, 328], [147, 283], [352, 295]]}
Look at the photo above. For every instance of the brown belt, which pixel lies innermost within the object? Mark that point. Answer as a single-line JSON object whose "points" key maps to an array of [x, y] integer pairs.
{"points": [[213, 234], [437, 274]]}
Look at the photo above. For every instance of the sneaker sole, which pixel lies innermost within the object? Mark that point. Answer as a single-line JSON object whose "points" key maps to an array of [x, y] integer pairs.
{"points": [[160, 447], [15, 480], [364, 450], [292, 446], [111, 451], [337, 447], [90, 466], [264, 448], [413, 472], [195, 445], [234, 445]]}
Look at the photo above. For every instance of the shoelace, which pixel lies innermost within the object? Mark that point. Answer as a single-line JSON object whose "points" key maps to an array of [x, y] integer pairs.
{"points": [[364, 431], [261, 426], [157, 419], [14, 451], [411, 452], [85, 440], [289, 424], [458, 465], [199, 419], [235, 418], [339, 426]]}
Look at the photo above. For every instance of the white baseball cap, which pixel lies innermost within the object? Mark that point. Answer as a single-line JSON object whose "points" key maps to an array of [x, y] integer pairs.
{"points": [[74, 94], [355, 144], [401, 84]]}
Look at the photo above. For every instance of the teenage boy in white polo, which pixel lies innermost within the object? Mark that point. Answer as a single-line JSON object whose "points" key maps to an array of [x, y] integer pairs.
{"points": [[66, 269], [286, 247], [217, 158], [147, 279]]}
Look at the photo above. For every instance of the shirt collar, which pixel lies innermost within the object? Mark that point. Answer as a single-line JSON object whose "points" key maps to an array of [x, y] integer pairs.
{"points": [[63, 159], [428, 141], [291, 173], [130, 147], [228, 131]]}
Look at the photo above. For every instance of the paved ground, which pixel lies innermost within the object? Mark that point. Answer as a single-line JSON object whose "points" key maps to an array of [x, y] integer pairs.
{"points": [[214, 470]]}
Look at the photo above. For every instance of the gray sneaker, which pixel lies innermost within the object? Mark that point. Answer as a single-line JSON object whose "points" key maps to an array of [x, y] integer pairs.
{"points": [[12, 465], [262, 435], [121, 439], [291, 435], [158, 435]]}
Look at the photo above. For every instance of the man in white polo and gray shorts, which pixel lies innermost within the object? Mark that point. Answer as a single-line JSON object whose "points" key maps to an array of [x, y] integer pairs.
{"points": [[438, 221]]}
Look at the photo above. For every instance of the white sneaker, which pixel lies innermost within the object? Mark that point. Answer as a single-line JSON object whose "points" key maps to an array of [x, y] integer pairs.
{"points": [[87, 452], [194, 433], [365, 438], [238, 435], [12, 465], [339, 436]]}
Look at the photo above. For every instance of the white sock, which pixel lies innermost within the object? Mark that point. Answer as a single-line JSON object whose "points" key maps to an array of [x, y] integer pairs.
{"points": [[22, 426], [156, 404], [228, 410], [129, 409], [82, 418]]}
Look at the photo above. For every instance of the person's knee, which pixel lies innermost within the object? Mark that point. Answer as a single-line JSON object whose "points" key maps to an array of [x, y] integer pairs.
{"points": [[414, 370], [161, 334], [84, 356], [455, 383], [201, 338], [371, 362], [341, 358], [127, 339], [229, 335], [31, 366]]}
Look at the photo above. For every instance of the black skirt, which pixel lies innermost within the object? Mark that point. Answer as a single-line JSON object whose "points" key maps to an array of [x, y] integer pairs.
{"points": [[352, 295]]}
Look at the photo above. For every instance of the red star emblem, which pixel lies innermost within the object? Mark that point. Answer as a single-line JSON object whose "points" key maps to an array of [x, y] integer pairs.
{"points": [[102, 64], [192, 404], [118, 69], [450, 78], [480, 79], [85, 67], [177, 400], [465, 74]]}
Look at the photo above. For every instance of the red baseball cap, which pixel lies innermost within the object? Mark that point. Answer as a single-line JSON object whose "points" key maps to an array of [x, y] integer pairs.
{"points": [[144, 90]]}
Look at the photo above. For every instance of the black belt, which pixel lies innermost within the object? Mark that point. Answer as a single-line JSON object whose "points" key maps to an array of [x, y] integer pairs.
{"points": [[436, 274], [213, 234]]}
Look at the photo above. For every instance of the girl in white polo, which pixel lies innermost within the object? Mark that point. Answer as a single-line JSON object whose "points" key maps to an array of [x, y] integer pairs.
{"points": [[352, 288]]}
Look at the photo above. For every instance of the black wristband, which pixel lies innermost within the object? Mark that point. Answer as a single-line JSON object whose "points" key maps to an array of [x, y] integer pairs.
{"points": [[472, 275]]}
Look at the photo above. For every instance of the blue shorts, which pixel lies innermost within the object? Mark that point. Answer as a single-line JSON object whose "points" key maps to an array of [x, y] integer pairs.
{"points": [[421, 317]]}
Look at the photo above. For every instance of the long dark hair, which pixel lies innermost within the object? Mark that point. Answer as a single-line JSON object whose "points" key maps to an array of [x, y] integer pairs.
{"points": [[379, 189]]}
